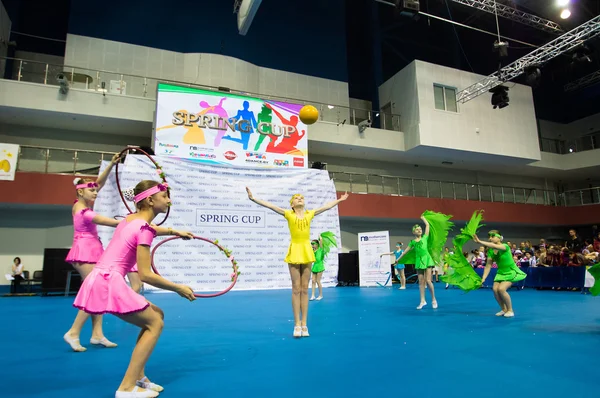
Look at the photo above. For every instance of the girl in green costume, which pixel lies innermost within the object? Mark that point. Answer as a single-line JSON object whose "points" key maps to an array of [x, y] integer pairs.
{"points": [[426, 249], [508, 272], [321, 248]]}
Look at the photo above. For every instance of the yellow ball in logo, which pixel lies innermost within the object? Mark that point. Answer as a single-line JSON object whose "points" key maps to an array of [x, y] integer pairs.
{"points": [[309, 114]]}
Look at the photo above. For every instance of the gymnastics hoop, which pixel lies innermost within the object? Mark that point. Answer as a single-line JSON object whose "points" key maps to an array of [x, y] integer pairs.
{"points": [[234, 276], [162, 176]]}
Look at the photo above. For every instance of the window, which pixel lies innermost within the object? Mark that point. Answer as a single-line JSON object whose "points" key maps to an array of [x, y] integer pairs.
{"points": [[445, 98]]}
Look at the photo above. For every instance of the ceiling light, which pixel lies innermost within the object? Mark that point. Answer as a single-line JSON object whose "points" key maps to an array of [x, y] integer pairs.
{"points": [[562, 3], [565, 13]]}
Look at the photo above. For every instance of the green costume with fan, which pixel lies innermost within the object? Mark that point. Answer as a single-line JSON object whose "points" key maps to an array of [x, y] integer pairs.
{"points": [[328, 241], [459, 272], [427, 251]]}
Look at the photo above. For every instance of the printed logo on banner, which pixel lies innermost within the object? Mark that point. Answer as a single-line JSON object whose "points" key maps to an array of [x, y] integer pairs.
{"points": [[230, 155], [299, 162], [197, 155], [175, 146], [278, 162]]}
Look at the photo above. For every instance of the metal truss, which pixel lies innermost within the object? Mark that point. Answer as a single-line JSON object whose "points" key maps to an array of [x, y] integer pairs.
{"points": [[539, 56], [513, 14], [585, 81]]}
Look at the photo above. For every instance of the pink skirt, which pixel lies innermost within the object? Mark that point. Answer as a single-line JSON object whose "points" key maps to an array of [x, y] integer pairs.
{"points": [[105, 291], [134, 268], [86, 249]]}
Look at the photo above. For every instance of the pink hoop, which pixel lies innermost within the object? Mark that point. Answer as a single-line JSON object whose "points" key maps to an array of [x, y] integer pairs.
{"points": [[221, 248]]}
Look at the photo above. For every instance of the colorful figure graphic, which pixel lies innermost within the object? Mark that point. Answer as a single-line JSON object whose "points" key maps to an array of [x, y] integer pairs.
{"points": [[265, 116], [247, 115], [219, 111], [287, 144]]}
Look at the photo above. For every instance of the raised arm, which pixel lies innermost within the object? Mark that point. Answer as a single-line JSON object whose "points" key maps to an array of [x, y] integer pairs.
{"points": [[102, 178], [387, 254], [263, 203], [331, 204], [149, 277], [426, 226]]}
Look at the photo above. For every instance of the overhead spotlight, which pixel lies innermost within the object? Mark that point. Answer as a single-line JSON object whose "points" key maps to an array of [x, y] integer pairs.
{"points": [[502, 48], [533, 75], [562, 3], [500, 97], [408, 8], [564, 14]]}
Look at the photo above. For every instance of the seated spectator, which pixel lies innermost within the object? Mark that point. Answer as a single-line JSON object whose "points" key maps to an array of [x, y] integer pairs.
{"points": [[542, 244], [17, 273]]}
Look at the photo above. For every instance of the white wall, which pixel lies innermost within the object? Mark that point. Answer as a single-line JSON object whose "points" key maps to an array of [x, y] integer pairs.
{"points": [[215, 70], [401, 92], [510, 132], [5, 25]]}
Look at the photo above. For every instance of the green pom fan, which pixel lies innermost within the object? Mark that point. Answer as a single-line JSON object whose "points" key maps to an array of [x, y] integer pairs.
{"points": [[595, 271], [439, 226], [328, 241], [459, 272]]}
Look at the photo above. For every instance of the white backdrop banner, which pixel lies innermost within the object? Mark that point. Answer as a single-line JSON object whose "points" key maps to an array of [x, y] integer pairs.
{"points": [[373, 269], [211, 202]]}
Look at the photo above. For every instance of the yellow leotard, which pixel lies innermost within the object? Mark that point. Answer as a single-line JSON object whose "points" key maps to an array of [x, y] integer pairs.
{"points": [[300, 251]]}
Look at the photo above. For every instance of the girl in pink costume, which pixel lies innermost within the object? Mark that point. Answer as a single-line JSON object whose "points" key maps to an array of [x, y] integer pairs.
{"points": [[87, 249], [105, 291]]}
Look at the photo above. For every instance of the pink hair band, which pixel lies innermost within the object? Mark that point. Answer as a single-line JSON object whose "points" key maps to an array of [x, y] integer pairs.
{"points": [[150, 191], [87, 185]]}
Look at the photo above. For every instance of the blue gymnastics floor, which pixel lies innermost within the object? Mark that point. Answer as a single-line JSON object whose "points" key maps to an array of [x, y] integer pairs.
{"points": [[365, 342]]}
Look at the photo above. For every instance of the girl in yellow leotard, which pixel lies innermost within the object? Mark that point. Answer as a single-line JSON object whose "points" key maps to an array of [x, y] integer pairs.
{"points": [[300, 255]]}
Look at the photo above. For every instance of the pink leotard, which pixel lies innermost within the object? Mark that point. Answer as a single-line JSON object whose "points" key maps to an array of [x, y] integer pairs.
{"points": [[87, 247], [105, 290]]}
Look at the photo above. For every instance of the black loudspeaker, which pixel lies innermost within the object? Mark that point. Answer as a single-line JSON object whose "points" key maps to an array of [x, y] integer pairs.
{"points": [[348, 269], [55, 272]]}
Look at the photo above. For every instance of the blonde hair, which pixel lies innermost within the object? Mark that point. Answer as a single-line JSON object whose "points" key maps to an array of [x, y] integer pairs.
{"points": [[294, 196]]}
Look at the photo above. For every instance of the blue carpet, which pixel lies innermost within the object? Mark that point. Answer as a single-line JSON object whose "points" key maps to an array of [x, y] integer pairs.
{"points": [[365, 343]]}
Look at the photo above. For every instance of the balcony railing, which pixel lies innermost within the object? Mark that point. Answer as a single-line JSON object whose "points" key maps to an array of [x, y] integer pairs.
{"points": [[561, 147], [143, 86], [35, 159], [403, 186], [581, 197]]}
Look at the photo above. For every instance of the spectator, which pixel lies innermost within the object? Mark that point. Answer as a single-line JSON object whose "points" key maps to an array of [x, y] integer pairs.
{"points": [[597, 243], [17, 274], [574, 244]]}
